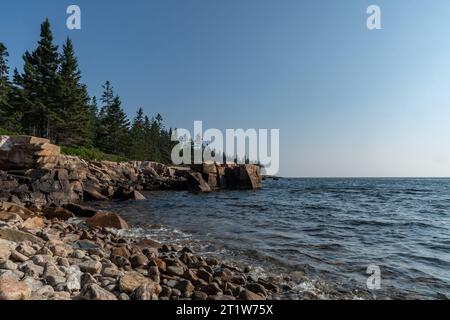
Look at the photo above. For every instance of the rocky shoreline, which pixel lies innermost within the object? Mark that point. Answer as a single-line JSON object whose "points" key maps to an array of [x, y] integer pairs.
{"points": [[55, 255], [53, 248]]}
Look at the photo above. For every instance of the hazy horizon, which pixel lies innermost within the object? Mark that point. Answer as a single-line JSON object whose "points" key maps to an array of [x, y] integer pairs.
{"points": [[349, 102]]}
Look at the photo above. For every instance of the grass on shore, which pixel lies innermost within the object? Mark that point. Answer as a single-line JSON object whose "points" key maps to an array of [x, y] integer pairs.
{"points": [[91, 154]]}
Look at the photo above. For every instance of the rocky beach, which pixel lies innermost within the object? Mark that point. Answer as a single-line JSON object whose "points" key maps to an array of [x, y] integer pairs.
{"points": [[53, 245]]}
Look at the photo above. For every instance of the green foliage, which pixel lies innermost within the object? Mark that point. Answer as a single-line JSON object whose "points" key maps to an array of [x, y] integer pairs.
{"points": [[38, 87], [48, 99], [91, 154], [9, 116], [73, 99], [113, 136]]}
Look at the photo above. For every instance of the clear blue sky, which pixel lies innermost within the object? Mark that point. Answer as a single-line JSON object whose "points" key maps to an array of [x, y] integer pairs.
{"points": [[348, 101]]}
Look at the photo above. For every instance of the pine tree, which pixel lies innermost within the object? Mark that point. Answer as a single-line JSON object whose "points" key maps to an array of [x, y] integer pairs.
{"points": [[74, 129], [101, 136], [5, 86], [93, 118], [137, 133], [114, 135], [9, 116], [38, 87]]}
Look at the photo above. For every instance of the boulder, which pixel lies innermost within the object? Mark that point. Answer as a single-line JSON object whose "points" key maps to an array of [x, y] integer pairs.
{"points": [[79, 210], [5, 250], [24, 213], [19, 236], [34, 223], [92, 267], [12, 289], [248, 295], [196, 182], [92, 193], [130, 281], [107, 220], [134, 195], [148, 291], [58, 213]]}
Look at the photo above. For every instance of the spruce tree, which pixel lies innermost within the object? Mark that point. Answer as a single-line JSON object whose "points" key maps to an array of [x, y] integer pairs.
{"points": [[5, 86], [74, 129], [114, 134], [38, 87], [93, 118], [137, 133], [10, 116]]}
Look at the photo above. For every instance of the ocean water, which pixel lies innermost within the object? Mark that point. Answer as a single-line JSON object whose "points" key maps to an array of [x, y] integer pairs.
{"points": [[316, 236]]}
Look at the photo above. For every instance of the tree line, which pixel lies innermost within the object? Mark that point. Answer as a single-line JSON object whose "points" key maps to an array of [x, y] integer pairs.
{"points": [[47, 99]]}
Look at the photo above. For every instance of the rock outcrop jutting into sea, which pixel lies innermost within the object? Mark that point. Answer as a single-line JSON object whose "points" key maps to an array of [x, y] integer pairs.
{"points": [[54, 247], [35, 172]]}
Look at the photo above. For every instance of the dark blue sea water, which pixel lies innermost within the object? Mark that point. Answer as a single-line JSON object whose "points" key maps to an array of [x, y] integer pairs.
{"points": [[325, 230]]}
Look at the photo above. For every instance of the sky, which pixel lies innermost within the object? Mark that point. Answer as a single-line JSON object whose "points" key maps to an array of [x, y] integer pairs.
{"points": [[349, 102]]}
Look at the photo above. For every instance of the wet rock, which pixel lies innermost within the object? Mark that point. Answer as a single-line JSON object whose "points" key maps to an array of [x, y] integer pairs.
{"points": [[124, 297], [176, 293], [196, 182], [190, 275], [107, 220], [58, 213], [79, 210], [153, 274], [166, 291], [161, 264], [95, 292], [269, 286], [133, 195], [175, 271], [199, 295], [186, 288], [248, 295], [211, 289], [92, 193], [257, 288], [121, 262], [224, 274], [222, 297], [12, 289], [205, 275], [138, 260]]}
